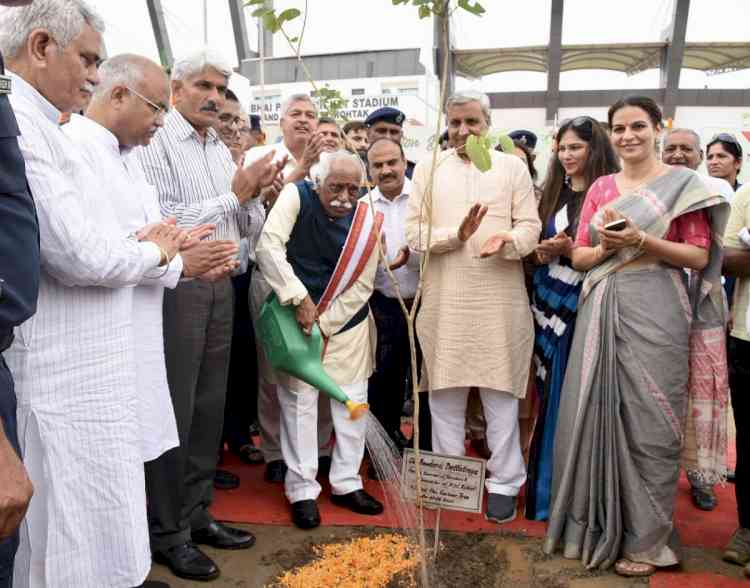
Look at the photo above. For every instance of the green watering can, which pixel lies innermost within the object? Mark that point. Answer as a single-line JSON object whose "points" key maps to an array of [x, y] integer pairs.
{"points": [[290, 351]]}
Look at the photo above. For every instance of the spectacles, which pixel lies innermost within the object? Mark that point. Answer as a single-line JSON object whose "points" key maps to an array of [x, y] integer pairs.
{"points": [[158, 110], [728, 138]]}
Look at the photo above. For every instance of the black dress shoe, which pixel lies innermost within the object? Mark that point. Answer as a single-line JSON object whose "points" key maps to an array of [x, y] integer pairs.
{"points": [[187, 561], [276, 471], [305, 514], [358, 501], [223, 537], [324, 465], [154, 584], [224, 480]]}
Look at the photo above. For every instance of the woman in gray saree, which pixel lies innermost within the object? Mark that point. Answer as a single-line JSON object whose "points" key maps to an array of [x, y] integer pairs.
{"points": [[641, 325]]}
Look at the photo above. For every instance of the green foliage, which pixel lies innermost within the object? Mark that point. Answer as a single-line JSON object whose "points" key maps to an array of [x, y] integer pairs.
{"points": [[506, 143], [272, 21], [330, 101], [478, 150], [427, 8]]}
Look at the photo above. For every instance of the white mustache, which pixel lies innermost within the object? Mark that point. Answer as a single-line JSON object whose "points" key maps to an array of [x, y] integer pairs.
{"points": [[336, 203]]}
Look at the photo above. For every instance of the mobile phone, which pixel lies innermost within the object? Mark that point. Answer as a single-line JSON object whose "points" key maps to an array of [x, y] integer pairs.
{"points": [[617, 225]]}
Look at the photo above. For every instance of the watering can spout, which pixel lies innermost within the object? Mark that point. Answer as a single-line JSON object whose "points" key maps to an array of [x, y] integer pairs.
{"points": [[289, 350]]}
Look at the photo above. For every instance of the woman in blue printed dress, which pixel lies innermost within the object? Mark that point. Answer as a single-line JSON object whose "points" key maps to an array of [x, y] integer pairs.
{"points": [[584, 153]]}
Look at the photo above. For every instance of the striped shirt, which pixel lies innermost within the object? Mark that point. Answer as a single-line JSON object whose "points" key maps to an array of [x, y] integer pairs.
{"points": [[193, 179]]}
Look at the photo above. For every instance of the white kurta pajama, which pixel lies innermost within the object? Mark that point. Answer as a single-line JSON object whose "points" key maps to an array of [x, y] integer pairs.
{"points": [[136, 204], [348, 360], [75, 374], [475, 325]]}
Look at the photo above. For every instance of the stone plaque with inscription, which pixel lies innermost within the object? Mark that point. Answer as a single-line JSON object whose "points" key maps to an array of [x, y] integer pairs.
{"points": [[454, 483]]}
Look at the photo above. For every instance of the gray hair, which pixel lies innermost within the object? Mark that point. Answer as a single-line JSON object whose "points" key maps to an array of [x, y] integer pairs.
{"points": [[64, 19], [126, 69], [467, 96], [195, 63], [300, 97], [691, 132], [320, 172]]}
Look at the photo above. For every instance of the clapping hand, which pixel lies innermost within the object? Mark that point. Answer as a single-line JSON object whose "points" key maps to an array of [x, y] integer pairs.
{"points": [[471, 222], [220, 271], [559, 245], [166, 236], [401, 259], [494, 244]]}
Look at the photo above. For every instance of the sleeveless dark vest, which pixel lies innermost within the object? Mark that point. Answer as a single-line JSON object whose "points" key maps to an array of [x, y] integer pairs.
{"points": [[315, 245]]}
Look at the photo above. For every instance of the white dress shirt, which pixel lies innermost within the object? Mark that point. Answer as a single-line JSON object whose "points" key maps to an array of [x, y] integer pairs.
{"points": [[75, 373], [136, 204], [193, 179], [394, 228]]}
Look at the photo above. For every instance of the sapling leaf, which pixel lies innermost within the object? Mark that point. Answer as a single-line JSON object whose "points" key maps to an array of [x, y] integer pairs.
{"points": [[270, 22], [261, 12], [478, 152], [474, 7], [287, 15], [506, 144]]}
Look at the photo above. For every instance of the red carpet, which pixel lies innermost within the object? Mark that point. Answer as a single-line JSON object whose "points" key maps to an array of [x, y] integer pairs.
{"points": [[257, 501]]}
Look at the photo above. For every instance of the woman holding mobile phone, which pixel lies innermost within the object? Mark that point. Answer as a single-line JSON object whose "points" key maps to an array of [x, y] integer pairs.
{"points": [[584, 153], [620, 429]]}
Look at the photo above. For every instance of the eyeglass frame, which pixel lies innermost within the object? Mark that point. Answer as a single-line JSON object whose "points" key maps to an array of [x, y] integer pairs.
{"points": [[158, 110]]}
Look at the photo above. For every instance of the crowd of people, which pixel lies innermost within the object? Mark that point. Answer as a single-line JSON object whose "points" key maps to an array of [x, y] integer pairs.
{"points": [[585, 333]]}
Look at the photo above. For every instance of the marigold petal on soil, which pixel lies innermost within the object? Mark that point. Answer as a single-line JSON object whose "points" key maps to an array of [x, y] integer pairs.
{"points": [[366, 562]]}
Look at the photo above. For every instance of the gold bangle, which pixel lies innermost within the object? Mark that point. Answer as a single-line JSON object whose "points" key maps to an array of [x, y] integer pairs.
{"points": [[165, 264], [642, 240]]}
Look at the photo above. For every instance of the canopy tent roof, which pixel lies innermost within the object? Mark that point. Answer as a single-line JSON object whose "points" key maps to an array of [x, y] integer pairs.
{"points": [[630, 58]]}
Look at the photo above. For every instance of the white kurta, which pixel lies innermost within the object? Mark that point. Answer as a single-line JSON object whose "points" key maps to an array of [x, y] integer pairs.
{"points": [[136, 204], [74, 372]]}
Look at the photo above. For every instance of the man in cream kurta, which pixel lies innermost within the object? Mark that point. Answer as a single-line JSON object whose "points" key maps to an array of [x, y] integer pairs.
{"points": [[297, 252], [474, 325]]}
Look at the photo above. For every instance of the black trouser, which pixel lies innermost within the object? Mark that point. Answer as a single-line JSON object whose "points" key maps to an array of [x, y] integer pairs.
{"points": [[197, 340], [9, 546], [241, 408], [739, 382], [392, 375]]}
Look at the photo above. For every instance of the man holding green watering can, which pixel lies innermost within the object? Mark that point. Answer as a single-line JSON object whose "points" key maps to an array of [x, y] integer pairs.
{"points": [[318, 252]]}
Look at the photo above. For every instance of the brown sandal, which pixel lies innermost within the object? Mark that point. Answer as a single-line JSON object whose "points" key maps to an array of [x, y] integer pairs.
{"points": [[634, 569]]}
